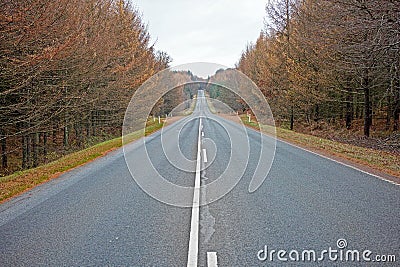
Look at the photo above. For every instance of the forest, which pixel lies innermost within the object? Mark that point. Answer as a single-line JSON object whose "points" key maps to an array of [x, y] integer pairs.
{"points": [[331, 65], [68, 71], [70, 67]]}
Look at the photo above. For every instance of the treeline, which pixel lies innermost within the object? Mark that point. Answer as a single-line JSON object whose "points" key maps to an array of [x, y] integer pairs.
{"points": [[329, 60], [181, 96], [218, 88], [68, 71]]}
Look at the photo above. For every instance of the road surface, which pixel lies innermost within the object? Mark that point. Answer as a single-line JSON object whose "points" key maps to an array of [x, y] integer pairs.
{"points": [[97, 215]]}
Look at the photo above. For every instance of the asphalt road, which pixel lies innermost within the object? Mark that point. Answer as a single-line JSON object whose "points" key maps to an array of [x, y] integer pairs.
{"points": [[98, 215]]}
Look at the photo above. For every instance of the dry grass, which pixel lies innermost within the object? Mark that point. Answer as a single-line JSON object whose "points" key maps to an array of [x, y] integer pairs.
{"points": [[24, 180], [383, 161]]}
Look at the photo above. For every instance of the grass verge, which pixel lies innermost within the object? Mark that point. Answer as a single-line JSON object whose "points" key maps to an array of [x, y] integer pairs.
{"points": [[190, 110], [19, 182], [382, 161], [210, 104]]}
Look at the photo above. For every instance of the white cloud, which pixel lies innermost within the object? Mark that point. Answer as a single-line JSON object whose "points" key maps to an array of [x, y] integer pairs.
{"points": [[203, 31]]}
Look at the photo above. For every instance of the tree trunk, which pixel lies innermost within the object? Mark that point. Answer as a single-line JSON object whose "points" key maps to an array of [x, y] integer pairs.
{"points": [[292, 118], [88, 130], [93, 122], [357, 107], [396, 108], [66, 134], [388, 112], [54, 134], [78, 134], [316, 116], [24, 140], [349, 109], [35, 149], [45, 144], [28, 151], [367, 110], [4, 159]]}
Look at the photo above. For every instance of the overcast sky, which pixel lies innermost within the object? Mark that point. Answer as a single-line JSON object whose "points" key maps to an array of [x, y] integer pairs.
{"points": [[215, 31]]}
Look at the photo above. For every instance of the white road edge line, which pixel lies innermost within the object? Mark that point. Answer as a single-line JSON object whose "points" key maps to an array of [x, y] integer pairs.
{"points": [[194, 224], [204, 155], [337, 161], [342, 163], [212, 260]]}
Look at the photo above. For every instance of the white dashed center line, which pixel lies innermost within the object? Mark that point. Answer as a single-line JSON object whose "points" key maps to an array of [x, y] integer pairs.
{"points": [[212, 260], [204, 155]]}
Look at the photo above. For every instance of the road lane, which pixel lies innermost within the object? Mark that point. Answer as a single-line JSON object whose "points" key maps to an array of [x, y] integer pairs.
{"points": [[306, 202], [99, 216]]}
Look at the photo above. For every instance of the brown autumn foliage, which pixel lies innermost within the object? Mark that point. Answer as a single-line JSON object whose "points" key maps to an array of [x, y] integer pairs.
{"points": [[330, 61], [68, 70]]}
